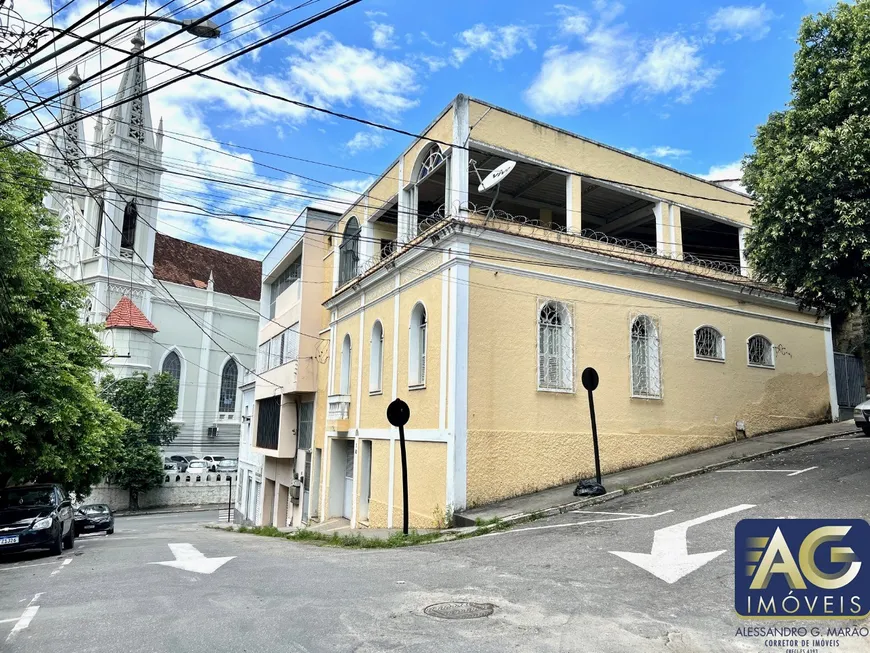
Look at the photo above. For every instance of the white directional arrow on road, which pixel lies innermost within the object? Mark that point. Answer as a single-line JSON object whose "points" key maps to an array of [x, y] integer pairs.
{"points": [[189, 559], [670, 559]]}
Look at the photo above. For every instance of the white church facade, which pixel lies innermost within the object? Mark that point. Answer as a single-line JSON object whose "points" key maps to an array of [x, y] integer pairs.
{"points": [[167, 305]]}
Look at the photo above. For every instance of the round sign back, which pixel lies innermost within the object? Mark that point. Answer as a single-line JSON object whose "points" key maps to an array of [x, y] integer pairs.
{"points": [[398, 413], [589, 378]]}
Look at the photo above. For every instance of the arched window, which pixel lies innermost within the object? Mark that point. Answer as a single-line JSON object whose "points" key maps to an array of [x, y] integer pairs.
{"points": [[344, 381], [709, 344], [760, 351], [646, 379], [376, 364], [555, 347], [417, 349], [128, 230], [229, 387], [349, 252], [172, 367], [434, 158]]}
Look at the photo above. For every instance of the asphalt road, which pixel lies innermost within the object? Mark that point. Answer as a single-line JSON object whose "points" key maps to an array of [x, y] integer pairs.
{"points": [[555, 584]]}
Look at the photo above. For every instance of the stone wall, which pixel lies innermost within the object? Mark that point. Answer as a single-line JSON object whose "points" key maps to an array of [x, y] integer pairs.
{"points": [[177, 490]]}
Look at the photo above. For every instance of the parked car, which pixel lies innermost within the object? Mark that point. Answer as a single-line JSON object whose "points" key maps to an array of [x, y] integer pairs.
{"points": [[198, 467], [182, 462], [862, 416], [228, 465], [94, 517], [170, 466], [36, 517], [213, 461]]}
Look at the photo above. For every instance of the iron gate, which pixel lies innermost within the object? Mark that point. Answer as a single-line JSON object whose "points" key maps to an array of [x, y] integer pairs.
{"points": [[849, 371]]}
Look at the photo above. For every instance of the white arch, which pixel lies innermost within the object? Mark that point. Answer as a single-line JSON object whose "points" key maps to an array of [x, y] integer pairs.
{"points": [[344, 378], [181, 380], [721, 337], [376, 358]]}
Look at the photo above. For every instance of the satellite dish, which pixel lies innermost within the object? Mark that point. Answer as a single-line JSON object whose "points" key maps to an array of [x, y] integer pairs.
{"points": [[496, 176]]}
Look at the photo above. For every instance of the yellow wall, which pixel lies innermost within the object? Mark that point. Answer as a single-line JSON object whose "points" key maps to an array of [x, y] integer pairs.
{"points": [[427, 469], [374, 407], [521, 439], [378, 506], [558, 148]]}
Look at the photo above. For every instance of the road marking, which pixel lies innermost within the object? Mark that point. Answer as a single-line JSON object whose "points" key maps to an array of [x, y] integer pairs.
{"points": [[62, 565], [581, 523], [25, 619], [8, 621], [669, 559], [601, 512], [188, 558], [35, 564], [804, 470]]}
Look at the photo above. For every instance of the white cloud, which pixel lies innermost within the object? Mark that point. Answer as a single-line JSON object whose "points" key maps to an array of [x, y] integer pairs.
{"points": [[611, 61], [368, 140], [382, 36], [431, 41], [434, 63], [742, 21], [674, 64], [728, 171], [660, 152], [500, 43]]}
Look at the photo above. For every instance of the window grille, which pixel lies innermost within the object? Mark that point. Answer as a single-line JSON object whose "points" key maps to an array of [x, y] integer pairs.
{"points": [[275, 351], [709, 344], [646, 379], [377, 358], [263, 358], [555, 347], [229, 385], [349, 252], [286, 279], [172, 367], [434, 158], [291, 344], [306, 425], [760, 351]]}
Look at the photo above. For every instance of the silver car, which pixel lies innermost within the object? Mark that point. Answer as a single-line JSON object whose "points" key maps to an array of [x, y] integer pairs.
{"points": [[862, 416], [198, 467], [228, 465]]}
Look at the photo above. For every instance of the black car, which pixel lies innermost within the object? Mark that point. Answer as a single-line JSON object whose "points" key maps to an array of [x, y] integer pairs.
{"points": [[95, 517], [36, 517]]}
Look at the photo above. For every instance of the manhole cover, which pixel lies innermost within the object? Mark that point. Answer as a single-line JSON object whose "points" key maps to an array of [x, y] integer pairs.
{"points": [[460, 610]]}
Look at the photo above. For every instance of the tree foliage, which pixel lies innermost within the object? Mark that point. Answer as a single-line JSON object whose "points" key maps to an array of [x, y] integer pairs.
{"points": [[810, 173], [148, 404], [53, 425]]}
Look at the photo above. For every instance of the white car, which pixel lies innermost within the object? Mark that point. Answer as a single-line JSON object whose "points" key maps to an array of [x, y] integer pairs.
{"points": [[198, 467], [862, 416], [213, 461]]}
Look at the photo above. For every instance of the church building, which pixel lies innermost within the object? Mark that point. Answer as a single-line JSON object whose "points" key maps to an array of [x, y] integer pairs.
{"points": [[167, 305]]}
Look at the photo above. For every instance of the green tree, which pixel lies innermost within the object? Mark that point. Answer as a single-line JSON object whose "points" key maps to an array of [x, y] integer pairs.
{"points": [[810, 173], [148, 404], [53, 425]]}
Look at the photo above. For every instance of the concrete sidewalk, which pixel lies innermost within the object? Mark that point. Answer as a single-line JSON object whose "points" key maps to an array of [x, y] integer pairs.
{"points": [[561, 499]]}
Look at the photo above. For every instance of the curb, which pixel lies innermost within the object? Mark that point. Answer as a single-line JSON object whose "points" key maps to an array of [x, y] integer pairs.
{"points": [[168, 511], [522, 517]]}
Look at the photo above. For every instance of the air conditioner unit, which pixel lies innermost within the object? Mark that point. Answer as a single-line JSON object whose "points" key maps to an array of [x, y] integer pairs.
{"points": [[212, 431]]}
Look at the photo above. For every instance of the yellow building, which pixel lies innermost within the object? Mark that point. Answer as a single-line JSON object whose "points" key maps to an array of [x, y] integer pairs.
{"points": [[480, 309]]}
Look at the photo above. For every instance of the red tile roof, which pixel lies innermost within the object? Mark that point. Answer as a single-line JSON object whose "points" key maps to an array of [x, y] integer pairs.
{"points": [[189, 264], [126, 315]]}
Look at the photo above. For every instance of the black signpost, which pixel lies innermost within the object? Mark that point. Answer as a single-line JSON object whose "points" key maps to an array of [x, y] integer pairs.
{"points": [[230, 500], [398, 414], [591, 488]]}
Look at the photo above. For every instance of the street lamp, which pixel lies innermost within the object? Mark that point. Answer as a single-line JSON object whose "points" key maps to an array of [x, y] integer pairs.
{"points": [[205, 29]]}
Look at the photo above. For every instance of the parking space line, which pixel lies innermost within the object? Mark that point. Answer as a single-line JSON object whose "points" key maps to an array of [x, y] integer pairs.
{"points": [[789, 472], [581, 523], [617, 514], [8, 621], [62, 565]]}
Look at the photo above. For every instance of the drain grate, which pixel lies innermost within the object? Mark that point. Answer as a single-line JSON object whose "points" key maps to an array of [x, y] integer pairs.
{"points": [[460, 610]]}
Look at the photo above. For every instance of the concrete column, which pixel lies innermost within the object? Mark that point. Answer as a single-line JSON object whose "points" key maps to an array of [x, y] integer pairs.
{"points": [[573, 202], [457, 188], [404, 208], [204, 355], [660, 210], [675, 232], [744, 264]]}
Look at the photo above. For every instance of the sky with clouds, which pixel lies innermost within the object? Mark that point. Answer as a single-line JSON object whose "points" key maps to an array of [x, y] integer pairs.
{"points": [[679, 82]]}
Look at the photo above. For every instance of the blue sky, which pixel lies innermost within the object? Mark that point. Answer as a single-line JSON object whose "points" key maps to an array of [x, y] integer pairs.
{"points": [[684, 83]]}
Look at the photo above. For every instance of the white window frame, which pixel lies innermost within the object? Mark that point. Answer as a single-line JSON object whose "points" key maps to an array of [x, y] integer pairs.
{"points": [[657, 358], [179, 412], [721, 340], [223, 413], [275, 351], [749, 363], [566, 362], [290, 344], [376, 359], [346, 365], [263, 357], [418, 345]]}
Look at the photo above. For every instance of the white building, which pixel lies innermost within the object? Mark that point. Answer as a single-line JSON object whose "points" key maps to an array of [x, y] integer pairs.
{"points": [[168, 305], [250, 478]]}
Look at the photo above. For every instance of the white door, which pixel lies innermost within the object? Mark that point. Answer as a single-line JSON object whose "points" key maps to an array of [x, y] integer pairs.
{"points": [[348, 481]]}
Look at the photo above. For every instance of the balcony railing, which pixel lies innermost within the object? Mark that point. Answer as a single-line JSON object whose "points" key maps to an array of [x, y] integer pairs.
{"points": [[338, 407]]}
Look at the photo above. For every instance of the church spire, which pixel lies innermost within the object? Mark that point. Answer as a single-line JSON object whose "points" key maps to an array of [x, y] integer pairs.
{"points": [[72, 140], [132, 118]]}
